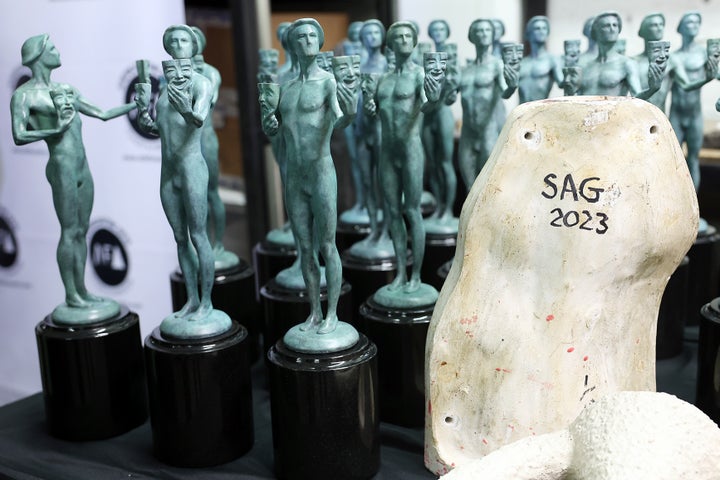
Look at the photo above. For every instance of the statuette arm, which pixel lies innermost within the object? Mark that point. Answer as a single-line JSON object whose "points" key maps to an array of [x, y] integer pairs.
{"points": [[681, 77], [142, 100], [20, 114], [655, 77], [92, 110]]}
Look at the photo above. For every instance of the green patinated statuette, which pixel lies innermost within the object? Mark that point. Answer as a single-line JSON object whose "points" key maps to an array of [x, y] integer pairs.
{"points": [[45, 110], [269, 98], [393, 297], [363, 139], [400, 168], [281, 236], [292, 277], [98, 310], [539, 70], [611, 73], [310, 106], [309, 341], [210, 147], [268, 65], [371, 248], [213, 323], [438, 132], [482, 85], [691, 66], [183, 110]]}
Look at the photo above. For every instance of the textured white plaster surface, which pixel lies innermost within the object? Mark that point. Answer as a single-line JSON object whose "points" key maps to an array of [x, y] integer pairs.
{"points": [[625, 435], [567, 240]]}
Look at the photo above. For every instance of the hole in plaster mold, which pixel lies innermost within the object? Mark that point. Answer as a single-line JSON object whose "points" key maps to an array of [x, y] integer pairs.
{"points": [[451, 420]]}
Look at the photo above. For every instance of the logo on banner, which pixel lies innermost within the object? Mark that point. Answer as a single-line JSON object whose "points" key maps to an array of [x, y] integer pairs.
{"points": [[108, 254], [8, 243]]}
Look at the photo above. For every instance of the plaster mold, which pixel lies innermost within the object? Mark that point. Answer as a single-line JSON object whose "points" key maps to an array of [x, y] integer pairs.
{"points": [[567, 240], [626, 435]]}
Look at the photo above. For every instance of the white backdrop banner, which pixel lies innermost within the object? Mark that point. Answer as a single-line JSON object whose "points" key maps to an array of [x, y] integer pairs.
{"points": [[131, 249]]}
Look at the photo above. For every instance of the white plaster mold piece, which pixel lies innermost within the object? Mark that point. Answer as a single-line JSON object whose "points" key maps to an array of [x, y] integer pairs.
{"points": [[566, 242], [625, 435]]}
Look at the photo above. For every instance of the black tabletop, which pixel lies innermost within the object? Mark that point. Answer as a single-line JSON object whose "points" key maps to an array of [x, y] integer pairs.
{"points": [[28, 452]]}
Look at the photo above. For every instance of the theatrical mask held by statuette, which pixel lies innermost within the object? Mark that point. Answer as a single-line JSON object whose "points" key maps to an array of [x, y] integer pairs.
{"points": [[453, 71], [572, 79], [512, 53], [390, 56], [324, 60], [268, 65], [269, 97], [368, 85], [269, 59], [178, 72], [63, 98], [572, 52], [713, 48], [659, 52], [346, 69], [435, 64]]}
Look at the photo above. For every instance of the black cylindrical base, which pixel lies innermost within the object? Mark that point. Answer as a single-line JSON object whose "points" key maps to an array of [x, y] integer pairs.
{"points": [[439, 249], [348, 234], [324, 413], [400, 339], [366, 277], [270, 259], [671, 317], [703, 273], [93, 377], [200, 398], [708, 389], [233, 293], [284, 308]]}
